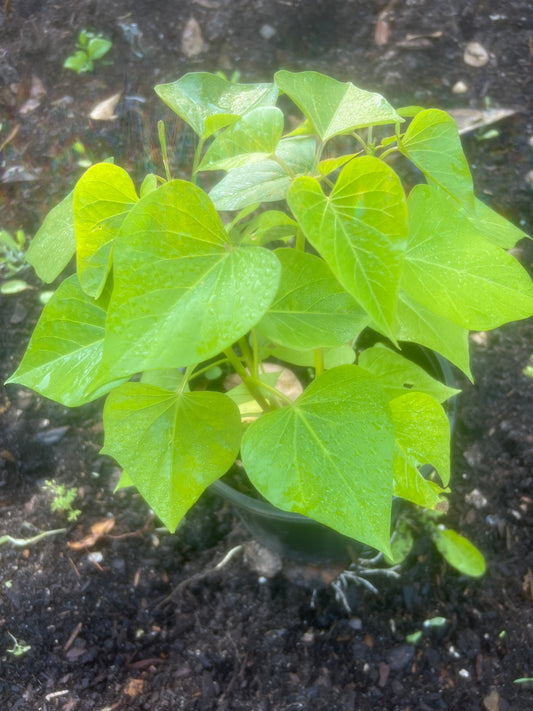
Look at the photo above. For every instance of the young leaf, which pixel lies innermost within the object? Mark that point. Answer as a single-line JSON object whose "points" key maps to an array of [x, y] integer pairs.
{"points": [[418, 324], [54, 244], [456, 273], [172, 445], [266, 180], [360, 230], [208, 102], [398, 374], [269, 226], [252, 138], [459, 552], [98, 47], [334, 107], [203, 296], [329, 455], [65, 350], [432, 142], [102, 198], [310, 309]]}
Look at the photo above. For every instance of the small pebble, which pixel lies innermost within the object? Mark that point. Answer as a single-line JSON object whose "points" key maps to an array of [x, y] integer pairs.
{"points": [[460, 87]]}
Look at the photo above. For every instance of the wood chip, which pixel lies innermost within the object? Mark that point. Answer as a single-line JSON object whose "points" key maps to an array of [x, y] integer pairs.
{"points": [[105, 110], [98, 530]]}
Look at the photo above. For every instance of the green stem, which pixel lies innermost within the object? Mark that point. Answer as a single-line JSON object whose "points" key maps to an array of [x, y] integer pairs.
{"points": [[386, 153], [300, 241], [255, 350], [282, 163], [247, 354], [197, 157], [163, 144], [185, 380], [362, 142], [249, 382], [319, 362]]}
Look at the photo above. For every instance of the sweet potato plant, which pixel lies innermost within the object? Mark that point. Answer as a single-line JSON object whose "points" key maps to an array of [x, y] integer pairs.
{"points": [[311, 237]]}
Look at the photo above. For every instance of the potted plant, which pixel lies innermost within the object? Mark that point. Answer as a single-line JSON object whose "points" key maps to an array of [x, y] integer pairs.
{"points": [[308, 243]]}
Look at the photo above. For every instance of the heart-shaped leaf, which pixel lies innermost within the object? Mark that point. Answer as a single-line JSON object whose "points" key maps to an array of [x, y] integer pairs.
{"points": [[172, 445], [329, 455], [182, 292], [360, 230], [334, 107], [433, 143]]}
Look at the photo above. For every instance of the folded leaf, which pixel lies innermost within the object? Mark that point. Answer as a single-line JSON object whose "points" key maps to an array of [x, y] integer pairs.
{"points": [[208, 102], [102, 198]]}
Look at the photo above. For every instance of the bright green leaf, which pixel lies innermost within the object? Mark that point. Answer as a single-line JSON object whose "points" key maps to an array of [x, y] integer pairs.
{"points": [[203, 296], [456, 273], [54, 245], [334, 107], [102, 198], [459, 552], [266, 180], [208, 102], [432, 142], [66, 347], [269, 226], [329, 455], [98, 47], [325, 167], [360, 230], [252, 138], [310, 309], [398, 374], [494, 227], [172, 445], [418, 324], [149, 184]]}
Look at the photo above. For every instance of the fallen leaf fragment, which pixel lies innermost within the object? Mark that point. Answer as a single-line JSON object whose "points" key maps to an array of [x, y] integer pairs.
{"points": [[471, 119], [475, 55], [105, 110], [98, 530], [192, 41]]}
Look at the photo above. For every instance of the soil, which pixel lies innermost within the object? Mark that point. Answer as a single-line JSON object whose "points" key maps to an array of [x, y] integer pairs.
{"points": [[96, 625]]}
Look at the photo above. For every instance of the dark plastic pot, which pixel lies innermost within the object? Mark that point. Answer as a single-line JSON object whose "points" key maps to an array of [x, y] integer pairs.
{"points": [[300, 538]]}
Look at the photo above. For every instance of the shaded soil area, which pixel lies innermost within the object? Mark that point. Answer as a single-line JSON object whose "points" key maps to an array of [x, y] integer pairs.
{"points": [[94, 623]]}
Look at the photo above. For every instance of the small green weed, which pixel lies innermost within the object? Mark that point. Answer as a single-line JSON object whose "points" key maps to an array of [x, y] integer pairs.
{"points": [[62, 498], [90, 48]]}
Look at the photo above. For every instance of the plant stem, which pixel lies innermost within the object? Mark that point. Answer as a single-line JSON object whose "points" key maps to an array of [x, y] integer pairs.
{"points": [[319, 362], [163, 144], [248, 381], [196, 163], [300, 241], [247, 354]]}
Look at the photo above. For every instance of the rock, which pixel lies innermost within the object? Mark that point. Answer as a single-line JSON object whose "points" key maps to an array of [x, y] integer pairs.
{"points": [[192, 40], [261, 560], [475, 55]]}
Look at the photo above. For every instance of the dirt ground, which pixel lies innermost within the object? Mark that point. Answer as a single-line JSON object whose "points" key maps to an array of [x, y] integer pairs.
{"points": [[93, 626]]}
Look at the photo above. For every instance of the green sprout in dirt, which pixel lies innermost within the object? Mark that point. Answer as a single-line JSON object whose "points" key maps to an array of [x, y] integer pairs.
{"points": [[62, 498], [19, 647], [90, 48]]}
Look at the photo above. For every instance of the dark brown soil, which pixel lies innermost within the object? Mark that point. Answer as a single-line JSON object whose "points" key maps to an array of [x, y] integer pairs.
{"points": [[97, 634]]}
